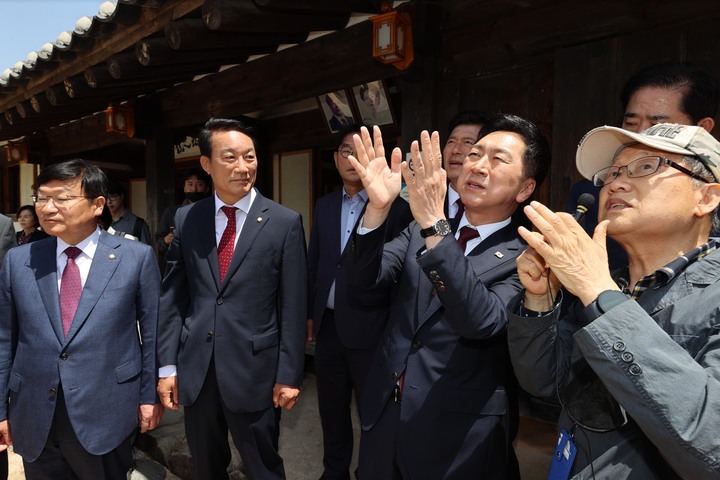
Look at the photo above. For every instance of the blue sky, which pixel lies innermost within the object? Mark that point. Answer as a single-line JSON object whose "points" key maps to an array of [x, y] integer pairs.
{"points": [[25, 25]]}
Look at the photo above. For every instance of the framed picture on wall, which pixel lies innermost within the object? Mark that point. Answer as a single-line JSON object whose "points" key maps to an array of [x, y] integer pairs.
{"points": [[336, 108], [373, 103]]}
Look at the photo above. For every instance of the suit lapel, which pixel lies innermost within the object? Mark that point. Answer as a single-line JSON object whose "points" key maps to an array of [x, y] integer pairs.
{"points": [[43, 263], [103, 266], [205, 222], [354, 229], [257, 218]]}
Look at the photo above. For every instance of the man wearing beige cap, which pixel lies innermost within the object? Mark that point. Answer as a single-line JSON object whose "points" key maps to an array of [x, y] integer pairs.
{"points": [[635, 361]]}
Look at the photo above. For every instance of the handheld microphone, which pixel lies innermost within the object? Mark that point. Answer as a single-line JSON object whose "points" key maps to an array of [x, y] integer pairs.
{"points": [[584, 203]]}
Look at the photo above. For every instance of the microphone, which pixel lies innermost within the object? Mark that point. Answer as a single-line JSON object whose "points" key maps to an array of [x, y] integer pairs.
{"points": [[585, 201]]}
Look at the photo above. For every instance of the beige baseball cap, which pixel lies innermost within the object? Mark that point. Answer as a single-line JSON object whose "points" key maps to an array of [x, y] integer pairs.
{"points": [[599, 146]]}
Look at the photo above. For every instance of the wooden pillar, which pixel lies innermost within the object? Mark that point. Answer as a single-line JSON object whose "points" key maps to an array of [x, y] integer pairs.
{"points": [[159, 173]]}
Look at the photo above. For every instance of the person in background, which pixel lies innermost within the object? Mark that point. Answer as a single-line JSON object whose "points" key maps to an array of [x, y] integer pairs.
{"points": [[670, 92], [346, 335], [338, 120], [635, 362], [78, 322], [28, 220], [124, 222], [464, 130], [196, 184]]}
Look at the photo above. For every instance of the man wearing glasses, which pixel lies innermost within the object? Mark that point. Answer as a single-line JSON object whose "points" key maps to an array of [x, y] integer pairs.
{"points": [[635, 362], [78, 321], [346, 335]]}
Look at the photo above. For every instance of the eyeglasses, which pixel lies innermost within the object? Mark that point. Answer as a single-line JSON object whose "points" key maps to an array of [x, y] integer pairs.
{"points": [[59, 202], [642, 167], [346, 152], [588, 403]]}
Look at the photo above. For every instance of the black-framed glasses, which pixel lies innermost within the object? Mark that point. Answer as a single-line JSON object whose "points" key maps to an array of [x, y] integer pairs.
{"points": [[588, 403], [59, 202], [642, 167], [346, 152]]}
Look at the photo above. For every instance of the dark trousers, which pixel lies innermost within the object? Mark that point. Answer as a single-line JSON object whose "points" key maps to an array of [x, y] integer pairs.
{"points": [[3, 465], [379, 456], [255, 435], [64, 458], [339, 371]]}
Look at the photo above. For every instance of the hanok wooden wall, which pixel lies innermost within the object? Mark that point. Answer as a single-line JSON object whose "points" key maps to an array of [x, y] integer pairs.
{"points": [[562, 64]]}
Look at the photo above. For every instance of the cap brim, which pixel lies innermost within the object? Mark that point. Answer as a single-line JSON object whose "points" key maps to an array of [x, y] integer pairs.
{"points": [[598, 148]]}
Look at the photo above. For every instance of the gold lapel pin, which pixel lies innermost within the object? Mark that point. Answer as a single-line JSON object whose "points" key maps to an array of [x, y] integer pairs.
{"points": [[259, 219], [499, 254], [111, 256]]}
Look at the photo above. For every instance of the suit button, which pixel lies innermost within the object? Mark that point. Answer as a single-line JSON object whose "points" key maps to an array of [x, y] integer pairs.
{"points": [[64, 356], [627, 357], [210, 335], [635, 369], [440, 286], [52, 393], [619, 346], [434, 275], [417, 344], [219, 301], [394, 376]]}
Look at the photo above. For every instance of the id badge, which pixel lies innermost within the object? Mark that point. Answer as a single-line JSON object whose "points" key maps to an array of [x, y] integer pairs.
{"points": [[563, 457]]}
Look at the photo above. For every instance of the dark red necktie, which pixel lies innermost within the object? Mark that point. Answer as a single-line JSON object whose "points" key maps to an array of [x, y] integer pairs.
{"points": [[460, 210], [70, 288], [227, 242], [466, 234]]}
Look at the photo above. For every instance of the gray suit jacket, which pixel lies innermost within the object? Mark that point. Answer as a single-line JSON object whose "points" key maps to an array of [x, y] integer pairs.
{"points": [[105, 371], [658, 356], [253, 323]]}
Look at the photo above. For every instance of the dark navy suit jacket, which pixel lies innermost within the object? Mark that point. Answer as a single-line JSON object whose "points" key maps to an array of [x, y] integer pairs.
{"points": [[447, 333], [358, 325], [253, 322], [105, 370]]}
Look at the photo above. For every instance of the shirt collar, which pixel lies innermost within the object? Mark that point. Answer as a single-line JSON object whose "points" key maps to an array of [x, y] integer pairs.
{"points": [[88, 245], [243, 204], [662, 276], [452, 195], [362, 194], [484, 230]]}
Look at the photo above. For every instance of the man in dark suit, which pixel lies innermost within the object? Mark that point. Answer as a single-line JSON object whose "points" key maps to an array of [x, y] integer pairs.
{"points": [[463, 131], [346, 335], [436, 403], [78, 320], [233, 312]]}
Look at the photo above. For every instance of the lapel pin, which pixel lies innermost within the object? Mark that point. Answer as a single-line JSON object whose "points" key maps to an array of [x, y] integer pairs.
{"points": [[259, 219], [111, 256], [499, 254]]}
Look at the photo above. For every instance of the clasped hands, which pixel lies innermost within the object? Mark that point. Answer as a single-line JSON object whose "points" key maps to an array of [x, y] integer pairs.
{"points": [[561, 253], [424, 176]]}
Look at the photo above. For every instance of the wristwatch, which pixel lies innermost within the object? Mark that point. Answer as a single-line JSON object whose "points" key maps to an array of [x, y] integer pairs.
{"points": [[604, 303], [440, 228]]}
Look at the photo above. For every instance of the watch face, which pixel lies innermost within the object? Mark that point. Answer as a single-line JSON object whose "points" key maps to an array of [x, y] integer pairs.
{"points": [[442, 227]]}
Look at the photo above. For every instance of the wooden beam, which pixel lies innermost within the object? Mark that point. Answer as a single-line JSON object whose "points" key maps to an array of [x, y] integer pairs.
{"points": [[192, 34], [274, 80], [233, 16], [315, 6], [156, 52]]}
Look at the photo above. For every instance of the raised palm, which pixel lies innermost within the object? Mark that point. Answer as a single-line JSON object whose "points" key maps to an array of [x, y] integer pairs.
{"points": [[381, 182]]}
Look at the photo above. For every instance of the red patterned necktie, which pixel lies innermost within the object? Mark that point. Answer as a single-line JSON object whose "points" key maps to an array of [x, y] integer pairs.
{"points": [[227, 242], [466, 234], [70, 288]]}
